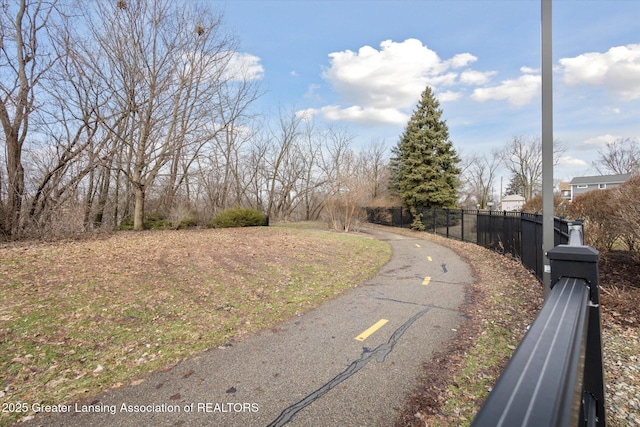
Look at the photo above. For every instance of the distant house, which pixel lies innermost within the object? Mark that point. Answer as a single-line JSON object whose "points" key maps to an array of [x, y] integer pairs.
{"points": [[583, 184], [512, 203], [565, 190]]}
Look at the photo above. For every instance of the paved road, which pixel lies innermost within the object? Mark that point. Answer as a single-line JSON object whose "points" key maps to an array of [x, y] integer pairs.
{"points": [[338, 365]]}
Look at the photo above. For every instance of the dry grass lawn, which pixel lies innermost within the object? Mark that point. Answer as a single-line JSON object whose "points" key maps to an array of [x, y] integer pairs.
{"points": [[78, 317]]}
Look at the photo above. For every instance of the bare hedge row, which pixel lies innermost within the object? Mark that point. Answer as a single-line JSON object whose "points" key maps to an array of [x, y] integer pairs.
{"points": [[611, 217]]}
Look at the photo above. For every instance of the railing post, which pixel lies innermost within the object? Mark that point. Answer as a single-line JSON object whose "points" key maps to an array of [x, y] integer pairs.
{"points": [[478, 227], [578, 261], [576, 233], [447, 212]]}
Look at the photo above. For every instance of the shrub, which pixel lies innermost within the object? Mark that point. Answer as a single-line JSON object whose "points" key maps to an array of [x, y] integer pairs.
{"points": [[157, 223], [599, 209], [150, 223], [534, 205], [238, 217], [343, 212], [628, 195], [190, 222]]}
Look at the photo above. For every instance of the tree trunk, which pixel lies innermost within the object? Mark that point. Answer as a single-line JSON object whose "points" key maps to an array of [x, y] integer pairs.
{"points": [[102, 198], [15, 185], [138, 209], [88, 203], [138, 213]]}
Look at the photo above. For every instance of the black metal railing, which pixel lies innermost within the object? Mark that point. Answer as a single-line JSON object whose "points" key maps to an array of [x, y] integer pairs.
{"points": [[518, 234], [555, 376]]}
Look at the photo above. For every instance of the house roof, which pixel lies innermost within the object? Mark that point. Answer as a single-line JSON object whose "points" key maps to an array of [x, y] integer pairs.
{"points": [[513, 198], [601, 179]]}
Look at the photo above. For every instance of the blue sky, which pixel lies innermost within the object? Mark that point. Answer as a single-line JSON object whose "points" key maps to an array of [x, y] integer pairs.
{"points": [[363, 64]]}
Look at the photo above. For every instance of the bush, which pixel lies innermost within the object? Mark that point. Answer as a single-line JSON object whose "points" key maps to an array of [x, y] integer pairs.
{"points": [[150, 223], [601, 214], [560, 206], [238, 217], [628, 195], [187, 223]]}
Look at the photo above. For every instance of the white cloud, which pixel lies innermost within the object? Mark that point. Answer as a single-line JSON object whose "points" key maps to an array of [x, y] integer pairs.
{"points": [[307, 114], [472, 77], [368, 115], [600, 141], [448, 96], [448, 79], [382, 83], [244, 66], [529, 70], [392, 77], [617, 70], [462, 60], [517, 92], [572, 162], [312, 91]]}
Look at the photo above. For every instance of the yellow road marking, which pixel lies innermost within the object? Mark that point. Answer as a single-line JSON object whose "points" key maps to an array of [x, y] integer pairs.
{"points": [[426, 280], [379, 324], [417, 245], [429, 258]]}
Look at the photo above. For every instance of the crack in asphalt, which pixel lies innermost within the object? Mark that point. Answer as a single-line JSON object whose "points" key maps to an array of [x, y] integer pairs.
{"points": [[403, 302], [438, 307], [379, 354]]}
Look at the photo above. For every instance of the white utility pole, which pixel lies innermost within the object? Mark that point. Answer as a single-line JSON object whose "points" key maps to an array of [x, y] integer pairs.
{"points": [[547, 145]]}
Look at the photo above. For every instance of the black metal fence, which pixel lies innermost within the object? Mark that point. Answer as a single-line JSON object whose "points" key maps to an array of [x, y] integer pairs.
{"points": [[555, 376], [518, 234]]}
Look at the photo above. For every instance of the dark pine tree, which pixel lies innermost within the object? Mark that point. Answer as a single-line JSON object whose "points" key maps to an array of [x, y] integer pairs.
{"points": [[516, 186], [424, 171]]}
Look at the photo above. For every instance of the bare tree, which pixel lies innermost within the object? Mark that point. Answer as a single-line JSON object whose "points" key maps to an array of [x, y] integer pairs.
{"points": [[218, 122], [128, 101], [337, 159], [375, 167], [256, 177], [621, 156], [523, 158], [24, 60], [233, 132], [348, 188], [344, 208], [314, 179], [75, 146], [285, 166], [165, 64], [479, 173]]}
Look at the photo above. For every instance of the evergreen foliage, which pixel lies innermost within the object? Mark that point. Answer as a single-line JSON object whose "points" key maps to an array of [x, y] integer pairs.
{"points": [[516, 186], [424, 171], [238, 217]]}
